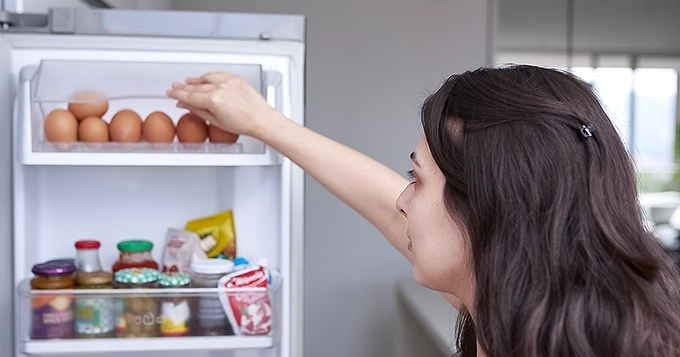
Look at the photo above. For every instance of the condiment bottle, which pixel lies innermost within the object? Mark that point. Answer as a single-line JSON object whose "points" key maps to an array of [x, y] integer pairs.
{"points": [[52, 313], [135, 254], [87, 256], [94, 314], [212, 319], [137, 316], [175, 309]]}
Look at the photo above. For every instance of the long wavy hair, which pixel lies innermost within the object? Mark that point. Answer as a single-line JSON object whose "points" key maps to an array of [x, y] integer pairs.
{"points": [[562, 261]]}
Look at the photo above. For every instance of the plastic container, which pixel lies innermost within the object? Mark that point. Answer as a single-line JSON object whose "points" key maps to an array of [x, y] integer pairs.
{"points": [[135, 254], [52, 315], [176, 310], [137, 315], [94, 314], [87, 256], [212, 319]]}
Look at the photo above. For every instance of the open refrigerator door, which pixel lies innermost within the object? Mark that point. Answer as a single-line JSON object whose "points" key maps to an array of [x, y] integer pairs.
{"points": [[116, 190]]}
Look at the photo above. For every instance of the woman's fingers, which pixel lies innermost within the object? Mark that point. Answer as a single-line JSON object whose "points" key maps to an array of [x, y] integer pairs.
{"points": [[211, 77], [190, 97]]}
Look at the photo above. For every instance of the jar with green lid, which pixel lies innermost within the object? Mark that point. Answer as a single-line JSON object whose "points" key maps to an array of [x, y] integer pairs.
{"points": [[175, 309], [94, 313], [135, 253], [137, 315]]}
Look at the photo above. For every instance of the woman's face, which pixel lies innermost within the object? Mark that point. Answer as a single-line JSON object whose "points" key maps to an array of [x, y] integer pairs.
{"points": [[438, 245]]}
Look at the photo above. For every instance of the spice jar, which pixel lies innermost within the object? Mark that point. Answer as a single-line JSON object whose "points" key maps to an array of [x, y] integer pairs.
{"points": [[212, 320], [87, 256], [94, 314], [136, 315], [175, 310], [52, 314], [135, 254]]}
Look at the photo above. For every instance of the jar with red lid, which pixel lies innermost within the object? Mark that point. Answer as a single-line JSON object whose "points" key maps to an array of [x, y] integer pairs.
{"points": [[135, 254], [87, 256]]}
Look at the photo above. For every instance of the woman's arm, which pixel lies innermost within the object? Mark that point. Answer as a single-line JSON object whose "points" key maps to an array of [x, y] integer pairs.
{"points": [[367, 186]]}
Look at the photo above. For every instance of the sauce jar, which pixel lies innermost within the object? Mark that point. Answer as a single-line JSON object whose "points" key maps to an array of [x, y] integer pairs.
{"points": [[175, 310], [137, 315], [94, 313], [52, 314], [135, 254], [212, 320], [87, 256]]}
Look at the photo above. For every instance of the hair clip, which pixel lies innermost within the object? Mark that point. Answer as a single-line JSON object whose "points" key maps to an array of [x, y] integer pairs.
{"points": [[587, 130]]}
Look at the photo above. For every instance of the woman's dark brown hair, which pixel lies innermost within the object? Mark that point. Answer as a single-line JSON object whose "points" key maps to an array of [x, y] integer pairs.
{"points": [[563, 264]]}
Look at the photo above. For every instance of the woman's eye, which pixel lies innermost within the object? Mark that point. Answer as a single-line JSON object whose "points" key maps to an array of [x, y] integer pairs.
{"points": [[411, 176]]}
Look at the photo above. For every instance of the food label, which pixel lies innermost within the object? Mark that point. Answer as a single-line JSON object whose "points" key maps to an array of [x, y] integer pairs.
{"points": [[246, 301], [52, 316], [176, 318], [94, 316]]}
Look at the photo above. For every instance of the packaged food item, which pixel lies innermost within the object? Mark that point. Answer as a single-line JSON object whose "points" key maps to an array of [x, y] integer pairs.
{"points": [[137, 315], [52, 314], [87, 256], [217, 234], [175, 310], [135, 254], [245, 297], [212, 319], [181, 248], [94, 314]]}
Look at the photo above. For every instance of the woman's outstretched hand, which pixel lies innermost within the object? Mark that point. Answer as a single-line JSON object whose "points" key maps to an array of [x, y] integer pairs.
{"points": [[224, 99]]}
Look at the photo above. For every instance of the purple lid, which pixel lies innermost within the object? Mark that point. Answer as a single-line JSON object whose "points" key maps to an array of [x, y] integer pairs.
{"points": [[54, 268]]}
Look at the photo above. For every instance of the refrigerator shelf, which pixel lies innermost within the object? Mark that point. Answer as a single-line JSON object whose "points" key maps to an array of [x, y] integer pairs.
{"points": [[138, 86], [136, 318], [110, 345]]}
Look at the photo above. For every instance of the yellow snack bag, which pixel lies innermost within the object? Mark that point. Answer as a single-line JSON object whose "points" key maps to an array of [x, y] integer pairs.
{"points": [[217, 234]]}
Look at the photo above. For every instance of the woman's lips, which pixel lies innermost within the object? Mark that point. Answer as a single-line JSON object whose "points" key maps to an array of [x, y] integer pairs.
{"points": [[409, 246]]}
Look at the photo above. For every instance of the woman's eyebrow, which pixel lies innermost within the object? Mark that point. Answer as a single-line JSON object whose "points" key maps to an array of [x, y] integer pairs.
{"points": [[414, 159]]}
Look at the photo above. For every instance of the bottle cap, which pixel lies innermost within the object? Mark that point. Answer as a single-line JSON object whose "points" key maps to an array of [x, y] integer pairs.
{"points": [[173, 279], [88, 244], [212, 266], [94, 278], [136, 275], [53, 268], [135, 246]]}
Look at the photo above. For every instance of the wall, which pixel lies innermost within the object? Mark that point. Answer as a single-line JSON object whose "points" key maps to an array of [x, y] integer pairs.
{"points": [[370, 63], [605, 26]]}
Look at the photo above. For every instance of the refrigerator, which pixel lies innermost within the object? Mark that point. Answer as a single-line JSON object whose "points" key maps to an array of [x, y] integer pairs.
{"points": [[62, 193]]}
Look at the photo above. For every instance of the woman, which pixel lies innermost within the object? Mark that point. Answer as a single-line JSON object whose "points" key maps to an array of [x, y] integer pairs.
{"points": [[522, 210]]}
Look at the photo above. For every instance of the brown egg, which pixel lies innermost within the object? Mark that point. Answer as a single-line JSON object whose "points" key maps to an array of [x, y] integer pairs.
{"points": [[93, 130], [191, 129], [126, 127], [61, 126], [158, 128], [88, 103], [218, 135]]}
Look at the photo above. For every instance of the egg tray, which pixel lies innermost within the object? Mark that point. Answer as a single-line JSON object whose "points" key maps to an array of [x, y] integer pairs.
{"points": [[142, 147]]}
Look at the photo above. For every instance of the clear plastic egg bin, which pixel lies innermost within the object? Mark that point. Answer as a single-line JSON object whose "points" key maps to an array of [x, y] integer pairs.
{"points": [[137, 86]]}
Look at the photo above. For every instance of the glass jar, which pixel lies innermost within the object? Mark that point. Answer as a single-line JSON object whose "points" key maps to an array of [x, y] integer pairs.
{"points": [[52, 314], [212, 320], [87, 256], [94, 314], [175, 310], [135, 254], [136, 315]]}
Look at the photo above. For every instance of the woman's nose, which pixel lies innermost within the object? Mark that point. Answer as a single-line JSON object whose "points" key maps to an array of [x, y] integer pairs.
{"points": [[402, 201]]}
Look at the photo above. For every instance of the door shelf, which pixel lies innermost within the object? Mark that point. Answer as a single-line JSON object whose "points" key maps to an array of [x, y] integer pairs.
{"points": [[135, 86], [55, 322], [110, 345]]}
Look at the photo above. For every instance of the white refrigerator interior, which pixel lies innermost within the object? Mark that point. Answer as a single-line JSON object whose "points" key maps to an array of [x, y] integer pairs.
{"points": [[116, 191]]}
